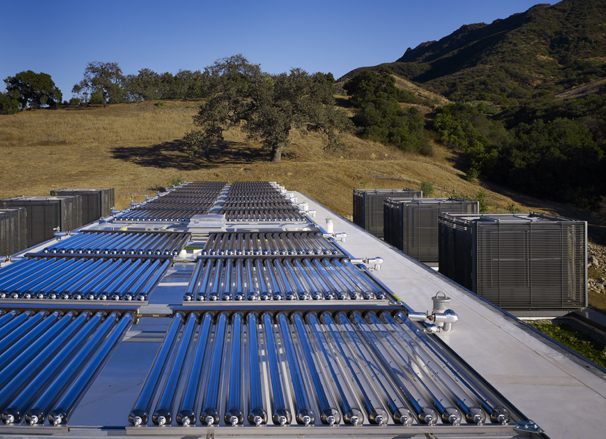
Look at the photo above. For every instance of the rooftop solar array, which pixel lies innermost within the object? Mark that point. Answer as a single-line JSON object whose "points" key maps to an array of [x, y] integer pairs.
{"points": [[215, 324]]}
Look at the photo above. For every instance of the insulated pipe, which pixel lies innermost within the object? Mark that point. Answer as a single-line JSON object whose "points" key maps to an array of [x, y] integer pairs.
{"points": [[304, 411], [498, 414], [328, 294], [227, 290], [394, 404], [287, 289], [281, 415], [162, 415], [216, 284], [137, 280], [9, 337], [14, 323], [139, 415], [201, 285], [329, 414], [189, 293], [32, 337], [367, 293], [39, 409], [210, 414], [256, 414], [376, 413], [302, 293], [315, 293], [14, 410], [186, 415], [263, 286], [233, 413], [475, 414], [50, 290], [336, 288], [239, 282], [348, 286], [448, 414], [275, 287], [351, 413], [400, 414], [379, 293], [253, 293], [41, 348]]}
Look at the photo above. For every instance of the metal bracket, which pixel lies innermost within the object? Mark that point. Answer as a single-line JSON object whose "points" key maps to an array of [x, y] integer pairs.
{"points": [[528, 426]]}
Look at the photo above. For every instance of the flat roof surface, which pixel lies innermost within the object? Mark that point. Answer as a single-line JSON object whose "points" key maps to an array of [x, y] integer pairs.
{"points": [[552, 387]]}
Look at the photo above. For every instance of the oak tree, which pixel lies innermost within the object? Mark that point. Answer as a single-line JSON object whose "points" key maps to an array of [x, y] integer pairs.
{"points": [[32, 88], [104, 79], [266, 107]]}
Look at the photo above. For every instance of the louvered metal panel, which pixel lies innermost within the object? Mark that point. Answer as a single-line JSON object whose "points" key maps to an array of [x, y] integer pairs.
{"points": [[414, 224], [47, 213], [96, 203], [368, 209], [13, 231], [523, 262]]}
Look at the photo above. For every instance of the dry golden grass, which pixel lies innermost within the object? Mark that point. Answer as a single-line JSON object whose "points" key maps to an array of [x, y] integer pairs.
{"points": [[136, 148]]}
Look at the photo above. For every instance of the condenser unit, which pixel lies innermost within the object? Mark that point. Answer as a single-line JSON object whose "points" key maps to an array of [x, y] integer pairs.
{"points": [[413, 224], [368, 206], [517, 261], [44, 214], [13, 231], [96, 203]]}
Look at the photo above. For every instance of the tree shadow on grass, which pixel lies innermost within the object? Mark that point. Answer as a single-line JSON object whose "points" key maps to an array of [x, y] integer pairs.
{"points": [[172, 155]]}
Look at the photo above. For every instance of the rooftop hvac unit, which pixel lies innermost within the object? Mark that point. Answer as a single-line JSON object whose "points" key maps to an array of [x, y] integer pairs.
{"points": [[517, 261], [47, 213], [96, 203], [413, 224], [368, 206], [13, 231]]}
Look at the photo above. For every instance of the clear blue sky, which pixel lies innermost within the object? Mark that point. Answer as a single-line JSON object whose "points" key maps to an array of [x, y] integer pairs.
{"points": [[61, 37]]}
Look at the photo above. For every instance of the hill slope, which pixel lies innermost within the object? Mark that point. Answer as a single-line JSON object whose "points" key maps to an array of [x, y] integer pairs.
{"points": [[545, 49]]}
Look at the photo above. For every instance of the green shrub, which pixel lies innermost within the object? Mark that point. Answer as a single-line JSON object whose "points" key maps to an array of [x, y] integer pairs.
{"points": [[175, 181], [427, 189]]}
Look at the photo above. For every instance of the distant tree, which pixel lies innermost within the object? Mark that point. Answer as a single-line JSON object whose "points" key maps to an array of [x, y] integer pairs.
{"points": [[144, 86], [266, 107], [34, 88], [105, 79], [8, 104]]}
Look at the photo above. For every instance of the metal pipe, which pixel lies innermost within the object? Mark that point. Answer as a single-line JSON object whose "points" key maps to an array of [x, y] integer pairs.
{"points": [[329, 414], [498, 414], [256, 413], [41, 406], [351, 413], [281, 415], [210, 414], [328, 294], [233, 414], [376, 413], [448, 414], [32, 337], [304, 412], [9, 336], [162, 415], [186, 415], [139, 414], [20, 398], [67, 403]]}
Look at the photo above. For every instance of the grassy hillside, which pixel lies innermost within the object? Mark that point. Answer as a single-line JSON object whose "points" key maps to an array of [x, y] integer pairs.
{"points": [[135, 148]]}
